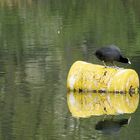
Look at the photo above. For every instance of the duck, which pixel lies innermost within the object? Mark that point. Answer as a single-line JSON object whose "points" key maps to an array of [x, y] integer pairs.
{"points": [[110, 54]]}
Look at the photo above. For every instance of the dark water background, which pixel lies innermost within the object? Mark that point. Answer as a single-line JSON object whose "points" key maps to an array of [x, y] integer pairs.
{"points": [[39, 41]]}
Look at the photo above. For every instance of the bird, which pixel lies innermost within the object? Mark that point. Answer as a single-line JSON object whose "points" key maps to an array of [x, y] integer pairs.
{"points": [[111, 126], [110, 54]]}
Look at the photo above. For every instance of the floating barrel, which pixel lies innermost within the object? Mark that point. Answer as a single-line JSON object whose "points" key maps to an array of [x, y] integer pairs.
{"points": [[85, 76], [95, 104]]}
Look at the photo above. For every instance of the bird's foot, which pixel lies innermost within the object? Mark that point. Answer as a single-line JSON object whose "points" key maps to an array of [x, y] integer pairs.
{"points": [[109, 66], [120, 68], [115, 67], [106, 66]]}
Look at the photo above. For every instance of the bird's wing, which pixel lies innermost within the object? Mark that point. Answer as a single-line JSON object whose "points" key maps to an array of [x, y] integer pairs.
{"points": [[115, 48]]}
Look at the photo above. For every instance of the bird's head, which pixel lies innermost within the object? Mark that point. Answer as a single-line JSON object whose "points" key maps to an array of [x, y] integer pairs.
{"points": [[125, 60]]}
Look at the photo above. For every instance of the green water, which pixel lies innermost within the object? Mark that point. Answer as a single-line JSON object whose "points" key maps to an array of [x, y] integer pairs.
{"points": [[39, 41]]}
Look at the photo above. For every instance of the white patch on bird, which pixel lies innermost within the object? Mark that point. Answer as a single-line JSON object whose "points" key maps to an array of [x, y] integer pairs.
{"points": [[129, 61], [72, 81], [72, 99]]}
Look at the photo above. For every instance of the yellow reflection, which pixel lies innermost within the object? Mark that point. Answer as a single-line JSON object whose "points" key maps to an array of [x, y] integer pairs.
{"points": [[88, 104]]}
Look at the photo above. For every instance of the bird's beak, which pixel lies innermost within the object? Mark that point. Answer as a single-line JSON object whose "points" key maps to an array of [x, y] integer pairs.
{"points": [[129, 62]]}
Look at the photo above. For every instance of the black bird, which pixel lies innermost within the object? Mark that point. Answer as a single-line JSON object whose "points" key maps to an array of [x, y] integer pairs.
{"points": [[111, 126], [110, 54]]}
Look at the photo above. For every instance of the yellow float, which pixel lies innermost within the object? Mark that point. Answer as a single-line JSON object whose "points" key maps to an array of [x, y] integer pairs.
{"points": [[85, 77], [88, 103]]}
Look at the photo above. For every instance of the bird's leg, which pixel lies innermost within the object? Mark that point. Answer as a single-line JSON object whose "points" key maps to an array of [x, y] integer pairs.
{"points": [[104, 64], [114, 66]]}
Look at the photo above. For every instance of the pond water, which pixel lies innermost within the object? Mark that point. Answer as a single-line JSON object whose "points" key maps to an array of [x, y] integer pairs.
{"points": [[39, 41]]}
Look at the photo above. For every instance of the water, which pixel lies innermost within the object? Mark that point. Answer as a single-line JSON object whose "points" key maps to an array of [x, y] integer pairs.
{"points": [[39, 41]]}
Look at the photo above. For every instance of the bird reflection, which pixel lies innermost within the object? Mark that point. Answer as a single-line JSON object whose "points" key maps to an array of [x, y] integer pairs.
{"points": [[111, 126]]}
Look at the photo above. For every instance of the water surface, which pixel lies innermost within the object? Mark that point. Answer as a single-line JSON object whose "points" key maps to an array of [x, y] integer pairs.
{"points": [[39, 41]]}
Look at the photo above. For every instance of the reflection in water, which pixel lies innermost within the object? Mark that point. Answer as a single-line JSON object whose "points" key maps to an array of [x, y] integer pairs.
{"points": [[39, 40], [88, 104], [83, 105], [111, 126]]}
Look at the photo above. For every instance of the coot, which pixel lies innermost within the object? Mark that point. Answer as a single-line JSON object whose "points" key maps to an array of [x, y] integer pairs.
{"points": [[110, 54], [111, 126]]}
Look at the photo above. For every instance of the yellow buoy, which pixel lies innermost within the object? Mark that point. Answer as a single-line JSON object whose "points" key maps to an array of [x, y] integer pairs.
{"points": [[85, 76], [88, 103]]}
